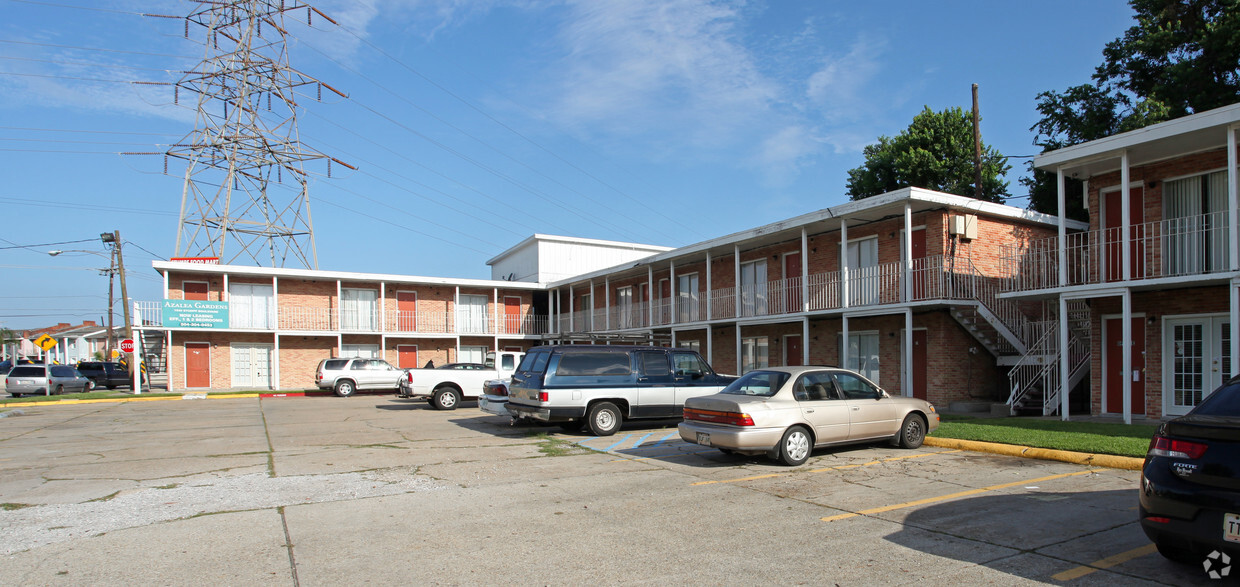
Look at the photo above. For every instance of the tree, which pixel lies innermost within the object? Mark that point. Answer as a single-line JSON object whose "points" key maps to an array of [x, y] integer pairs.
{"points": [[1180, 58], [935, 152]]}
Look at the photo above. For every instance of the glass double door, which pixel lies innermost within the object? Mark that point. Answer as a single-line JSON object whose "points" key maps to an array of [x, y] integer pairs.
{"points": [[1198, 360]]}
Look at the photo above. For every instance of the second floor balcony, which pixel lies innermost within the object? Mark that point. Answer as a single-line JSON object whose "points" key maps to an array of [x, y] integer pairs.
{"points": [[1174, 248]]}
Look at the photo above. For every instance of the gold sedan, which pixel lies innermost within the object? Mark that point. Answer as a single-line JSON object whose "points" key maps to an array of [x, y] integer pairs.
{"points": [[786, 412]]}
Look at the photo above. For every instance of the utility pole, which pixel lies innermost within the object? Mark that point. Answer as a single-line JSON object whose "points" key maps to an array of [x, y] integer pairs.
{"points": [[114, 239], [977, 149]]}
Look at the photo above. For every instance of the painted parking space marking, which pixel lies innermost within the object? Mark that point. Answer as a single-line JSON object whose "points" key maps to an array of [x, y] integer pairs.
{"points": [[618, 442], [642, 439], [950, 496], [824, 470], [665, 439], [1105, 563]]}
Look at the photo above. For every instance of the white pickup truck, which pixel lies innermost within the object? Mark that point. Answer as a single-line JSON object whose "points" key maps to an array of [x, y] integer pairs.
{"points": [[448, 385]]}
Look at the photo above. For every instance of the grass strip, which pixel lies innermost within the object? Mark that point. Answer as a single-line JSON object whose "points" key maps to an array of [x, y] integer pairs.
{"points": [[1128, 440]]}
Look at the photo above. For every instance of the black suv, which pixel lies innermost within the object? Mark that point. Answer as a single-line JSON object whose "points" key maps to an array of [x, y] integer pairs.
{"points": [[105, 374]]}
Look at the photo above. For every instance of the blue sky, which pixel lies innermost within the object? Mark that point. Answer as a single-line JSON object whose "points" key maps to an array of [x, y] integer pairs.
{"points": [[476, 124]]}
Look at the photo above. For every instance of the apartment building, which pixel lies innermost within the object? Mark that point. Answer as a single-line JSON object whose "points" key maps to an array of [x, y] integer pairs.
{"points": [[1149, 292]]}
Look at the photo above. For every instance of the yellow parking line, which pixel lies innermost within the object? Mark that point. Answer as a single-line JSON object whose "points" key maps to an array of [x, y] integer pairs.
{"points": [[909, 504], [839, 468], [1105, 563]]}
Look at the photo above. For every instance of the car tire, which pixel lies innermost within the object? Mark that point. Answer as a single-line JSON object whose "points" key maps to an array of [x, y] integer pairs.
{"points": [[60, 390], [795, 447], [445, 398], [604, 419], [912, 432], [345, 388], [15, 394]]}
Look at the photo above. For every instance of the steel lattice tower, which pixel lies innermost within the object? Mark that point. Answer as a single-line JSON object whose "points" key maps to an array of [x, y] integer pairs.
{"points": [[245, 146]]}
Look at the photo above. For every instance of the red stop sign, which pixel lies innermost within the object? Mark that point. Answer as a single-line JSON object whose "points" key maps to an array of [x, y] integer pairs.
{"points": [[127, 345]]}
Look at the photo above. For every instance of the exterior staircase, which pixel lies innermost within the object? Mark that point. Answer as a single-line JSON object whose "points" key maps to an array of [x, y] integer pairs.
{"points": [[1035, 379]]}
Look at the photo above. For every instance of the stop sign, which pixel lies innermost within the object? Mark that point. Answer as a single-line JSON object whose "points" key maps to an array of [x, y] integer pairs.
{"points": [[127, 345]]}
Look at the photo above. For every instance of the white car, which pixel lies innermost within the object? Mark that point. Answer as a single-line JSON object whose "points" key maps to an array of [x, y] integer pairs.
{"points": [[786, 412]]}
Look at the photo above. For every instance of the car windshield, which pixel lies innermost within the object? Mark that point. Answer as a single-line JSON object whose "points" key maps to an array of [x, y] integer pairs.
{"points": [[1225, 401], [762, 383]]}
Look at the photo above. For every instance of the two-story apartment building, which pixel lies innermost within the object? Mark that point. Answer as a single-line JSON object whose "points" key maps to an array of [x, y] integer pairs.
{"points": [[1157, 271]]}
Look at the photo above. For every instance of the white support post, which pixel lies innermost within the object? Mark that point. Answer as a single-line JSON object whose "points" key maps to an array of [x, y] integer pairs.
{"points": [[650, 296], [168, 360], [709, 295], [1063, 227], [736, 291], [495, 316], [740, 361], [455, 314], [1065, 359], [908, 350], [136, 367], [591, 326], [805, 278], [382, 307], [607, 302], [572, 307], [843, 264], [805, 340], [1126, 338], [710, 345], [843, 351], [553, 301], [671, 300], [1125, 208], [339, 311], [1234, 333], [1233, 202], [224, 292], [906, 254]]}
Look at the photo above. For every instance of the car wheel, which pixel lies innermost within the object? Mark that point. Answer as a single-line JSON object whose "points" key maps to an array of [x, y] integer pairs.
{"points": [[15, 394], [60, 389], [445, 398], [90, 385], [912, 432], [1179, 554], [345, 388], [604, 419], [795, 447]]}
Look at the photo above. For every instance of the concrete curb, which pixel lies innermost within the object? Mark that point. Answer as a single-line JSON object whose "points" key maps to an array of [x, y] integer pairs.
{"points": [[1046, 454]]}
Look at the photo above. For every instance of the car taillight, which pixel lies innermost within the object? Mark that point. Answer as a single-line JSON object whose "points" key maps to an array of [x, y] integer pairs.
{"points": [[1161, 446], [733, 418], [542, 397]]}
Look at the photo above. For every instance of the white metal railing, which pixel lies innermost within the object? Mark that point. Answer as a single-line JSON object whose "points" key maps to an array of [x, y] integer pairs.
{"points": [[1192, 245], [302, 318], [1039, 367]]}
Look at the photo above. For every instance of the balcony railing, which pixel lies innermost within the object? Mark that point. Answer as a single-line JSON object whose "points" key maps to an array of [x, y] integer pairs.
{"points": [[1193, 245], [243, 316]]}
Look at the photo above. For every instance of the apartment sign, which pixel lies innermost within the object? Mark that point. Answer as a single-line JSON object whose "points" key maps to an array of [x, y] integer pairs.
{"points": [[195, 314]]}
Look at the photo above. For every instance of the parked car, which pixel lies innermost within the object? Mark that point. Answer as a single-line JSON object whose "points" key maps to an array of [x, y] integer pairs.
{"points": [[8, 364], [446, 386], [107, 374], [599, 387], [346, 375], [1190, 483], [45, 380], [786, 412], [494, 398]]}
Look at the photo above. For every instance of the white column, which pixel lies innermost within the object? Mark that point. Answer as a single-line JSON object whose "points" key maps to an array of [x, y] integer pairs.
{"points": [[1235, 326], [454, 315], [906, 254], [495, 317], [671, 300], [805, 340], [382, 306], [137, 354], [1125, 230], [1233, 205], [908, 351], [275, 361], [168, 360], [708, 290], [843, 265], [224, 293], [736, 291], [740, 362], [1065, 360], [844, 341], [710, 345], [1063, 229], [572, 307], [339, 300], [1126, 344], [805, 279], [650, 296], [593, 302], [607, 302]]}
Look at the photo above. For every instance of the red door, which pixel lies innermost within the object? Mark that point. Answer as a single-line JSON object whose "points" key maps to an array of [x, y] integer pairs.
{"points": [[919, 360], [1113, 359], [407, 356], [920, 271], [792, 283], [512, 315], [793, 351], [406, 311], [1113, 237], [197, 364]]}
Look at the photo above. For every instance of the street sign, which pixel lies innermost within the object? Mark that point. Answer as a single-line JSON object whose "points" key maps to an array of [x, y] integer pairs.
{"points": [[127, 345], [45, 342]]}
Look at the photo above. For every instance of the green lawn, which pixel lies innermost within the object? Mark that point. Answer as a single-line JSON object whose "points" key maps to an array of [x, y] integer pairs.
{"points": [[1130, 440]]}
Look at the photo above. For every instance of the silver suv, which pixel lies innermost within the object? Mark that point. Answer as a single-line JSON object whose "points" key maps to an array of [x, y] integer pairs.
{"points": [[347, 375]]}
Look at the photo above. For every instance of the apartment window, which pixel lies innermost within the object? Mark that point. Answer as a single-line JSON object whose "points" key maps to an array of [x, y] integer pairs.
{"points": [[251, 305], [624, 307], [687, 308], [753, 288], [359, 309], [754, 353], [471, 315], [864, 281], [863, 354], [1195, 209]]}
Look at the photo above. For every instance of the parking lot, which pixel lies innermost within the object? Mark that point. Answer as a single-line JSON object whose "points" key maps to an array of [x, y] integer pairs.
{"points": [[374, 489]]}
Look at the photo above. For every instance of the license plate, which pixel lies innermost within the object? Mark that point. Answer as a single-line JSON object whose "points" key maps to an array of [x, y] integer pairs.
{"points": [[703, 439], [1231, 527]]}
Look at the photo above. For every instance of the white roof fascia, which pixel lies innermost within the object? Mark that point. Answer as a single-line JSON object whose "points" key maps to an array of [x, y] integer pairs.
{"points": [[1111, 146], [577, 241], [843, 211], [331, 275]]}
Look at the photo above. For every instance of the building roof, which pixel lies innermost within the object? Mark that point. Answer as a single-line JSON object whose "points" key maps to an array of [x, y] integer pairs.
{"points": [[536, 238], [186, 267], [1195, 133]]}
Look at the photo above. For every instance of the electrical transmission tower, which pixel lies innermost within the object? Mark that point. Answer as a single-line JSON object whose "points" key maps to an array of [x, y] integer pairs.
{"points": [[246, 195]]}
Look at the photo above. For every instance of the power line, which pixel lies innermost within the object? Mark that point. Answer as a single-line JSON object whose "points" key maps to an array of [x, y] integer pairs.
{"points": [[95, 49], [15, 246], [69, 130], [56, 5]]}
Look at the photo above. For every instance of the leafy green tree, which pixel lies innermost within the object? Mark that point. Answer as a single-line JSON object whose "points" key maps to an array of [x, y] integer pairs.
{"points": [[1181, 57], [935, 152]]}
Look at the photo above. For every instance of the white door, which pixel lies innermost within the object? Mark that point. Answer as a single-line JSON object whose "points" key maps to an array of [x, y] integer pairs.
{"points": [[1198, 360], [251, 365]]}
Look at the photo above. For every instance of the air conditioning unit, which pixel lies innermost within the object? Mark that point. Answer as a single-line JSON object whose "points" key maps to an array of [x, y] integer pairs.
{"points": [[963, 225]]}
